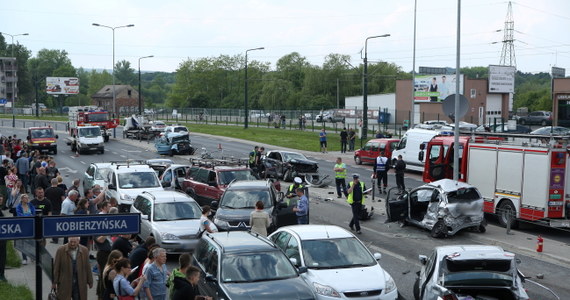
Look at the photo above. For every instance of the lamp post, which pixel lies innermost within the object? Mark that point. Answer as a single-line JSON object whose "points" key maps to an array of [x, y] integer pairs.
{"points": [[245, 93], [13, 97], [140, 89], [365, 87], [114, 99]]}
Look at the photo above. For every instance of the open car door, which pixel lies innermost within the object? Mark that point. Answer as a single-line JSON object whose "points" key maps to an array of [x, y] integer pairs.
{"points": [[396, 205]]}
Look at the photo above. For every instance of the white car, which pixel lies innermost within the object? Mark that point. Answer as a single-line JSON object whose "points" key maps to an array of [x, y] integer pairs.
{"points": [[96, 173], [157, 126], [336, 261]]}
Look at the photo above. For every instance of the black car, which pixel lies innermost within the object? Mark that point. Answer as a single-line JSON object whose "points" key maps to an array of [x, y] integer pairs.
{"points": [[287, 165], [245, 265], [238, 201]]}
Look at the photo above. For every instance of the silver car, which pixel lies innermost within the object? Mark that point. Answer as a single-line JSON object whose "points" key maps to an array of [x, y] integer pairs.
{"points": [[171, 217], [469, 272], [96, 173], [444, 207]]}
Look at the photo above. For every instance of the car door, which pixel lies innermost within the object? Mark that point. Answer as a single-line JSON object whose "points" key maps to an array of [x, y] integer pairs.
{"points": [[89, 177], [143, 206], [396, 205], [425, 276], [284, 215], [272, 165], [200, 185], [166, 181], [203, 256], [178, 177], [372, 152]]}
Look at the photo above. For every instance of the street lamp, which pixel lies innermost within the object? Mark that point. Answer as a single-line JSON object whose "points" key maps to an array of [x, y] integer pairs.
{"points": [[245, 104], [140, 89], [13, 96], [114, 99], [365, 87]]}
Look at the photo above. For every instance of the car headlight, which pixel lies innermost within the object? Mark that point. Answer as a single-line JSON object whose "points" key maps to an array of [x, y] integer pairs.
{"points": [[325, 290], [125, 197], [221, 223], [168, 236], [390, 285]]}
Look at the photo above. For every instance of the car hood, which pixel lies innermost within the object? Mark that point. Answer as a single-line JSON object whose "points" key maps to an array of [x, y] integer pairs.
{"points": [[236, 214], [179, 227], [302, 161], [291, 288], [374, 275], [133, 193]]}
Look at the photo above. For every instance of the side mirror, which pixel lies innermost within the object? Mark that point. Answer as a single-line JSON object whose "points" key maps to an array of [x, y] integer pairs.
{"points": [[421, 156], [377, 256], [422, 146], [166, 184], [210, 278], [423, 259], [112, 187], [293, 261], [145, 217], [302, 270], [212, 183], [214, 204]]}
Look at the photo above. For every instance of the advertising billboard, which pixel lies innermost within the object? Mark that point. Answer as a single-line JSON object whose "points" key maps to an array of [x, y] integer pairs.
{"points": [[62, 85], [435, 88], [501, 79]]}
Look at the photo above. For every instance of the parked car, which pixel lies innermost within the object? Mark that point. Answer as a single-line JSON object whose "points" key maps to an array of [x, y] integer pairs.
{"points": [[329, 116], [244, 265], [171, 217], [372, 149], [174, 143], [157, 126], [444, 207], [503, 128], [159, 164], [555, 130], [540, 117], [469, 272], [206, 180], [256, 114], [238, 201], [287, 165], [96, 173], [332, 255], [175, 128]]}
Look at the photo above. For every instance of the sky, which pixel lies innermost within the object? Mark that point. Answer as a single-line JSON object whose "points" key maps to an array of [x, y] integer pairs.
{"points": [[175, 31]]}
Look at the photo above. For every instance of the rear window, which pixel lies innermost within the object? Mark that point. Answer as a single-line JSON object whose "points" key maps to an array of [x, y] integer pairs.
{"points": [[478, 272], [463, 195], [497, 265]]}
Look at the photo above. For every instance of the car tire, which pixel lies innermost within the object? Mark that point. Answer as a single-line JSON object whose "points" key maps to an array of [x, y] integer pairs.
{"points": [[312, 179], [544, 123], [416, 289], [358, 160], [439, 230], [102, 151], [505, 208], [170, 153], [481, 228]]}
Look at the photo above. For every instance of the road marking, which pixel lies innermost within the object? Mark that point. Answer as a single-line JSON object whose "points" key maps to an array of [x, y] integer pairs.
{"points": [[83, 162], [131, 151], [386, 251], [66, 169], [123, 156]]}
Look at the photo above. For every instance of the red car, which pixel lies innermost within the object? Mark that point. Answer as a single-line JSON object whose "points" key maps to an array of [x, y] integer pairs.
{"points": [[372, 149]]}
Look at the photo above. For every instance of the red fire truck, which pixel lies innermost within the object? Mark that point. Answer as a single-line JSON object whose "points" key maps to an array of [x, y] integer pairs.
{"points": [[92, 116], [519, 178]]}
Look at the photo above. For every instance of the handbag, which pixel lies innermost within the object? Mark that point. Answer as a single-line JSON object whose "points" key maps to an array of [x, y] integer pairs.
{"points": [[52, 295]]}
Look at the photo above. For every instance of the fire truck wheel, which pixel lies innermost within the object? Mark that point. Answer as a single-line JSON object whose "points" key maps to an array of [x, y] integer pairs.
{"points": [[506, 211], [439, 229]]}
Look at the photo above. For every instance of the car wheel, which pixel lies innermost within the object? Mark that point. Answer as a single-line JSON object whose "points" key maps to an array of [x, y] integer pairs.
{"points": [[358, 160], [439, 229], [312, 179], [170, 152], [482, 228], [506, 211], [103, 151], [417, 289], [543, 123]]}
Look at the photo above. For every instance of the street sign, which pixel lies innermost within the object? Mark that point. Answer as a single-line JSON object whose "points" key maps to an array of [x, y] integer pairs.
{"points": [[82, 225], [17, 228], [3, 101]]}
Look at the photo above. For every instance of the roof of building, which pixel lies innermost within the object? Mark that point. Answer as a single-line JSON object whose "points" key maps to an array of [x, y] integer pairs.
{"points": [[107, 91]]}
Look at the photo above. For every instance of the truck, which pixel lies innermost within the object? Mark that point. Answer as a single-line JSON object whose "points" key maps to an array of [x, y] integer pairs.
{"points": [[92, 116], [43, 139], [138, 127], [86, 138], [409, 146], [520, 179]]}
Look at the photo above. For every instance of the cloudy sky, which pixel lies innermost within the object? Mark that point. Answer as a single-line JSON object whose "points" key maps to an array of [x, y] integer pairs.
{"points": [[174, 31]]}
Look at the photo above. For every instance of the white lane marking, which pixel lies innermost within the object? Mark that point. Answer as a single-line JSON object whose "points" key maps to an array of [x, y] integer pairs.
{"points": [[131, 151], [70, 170], [123, 156], [83, 162], [384, 250]]}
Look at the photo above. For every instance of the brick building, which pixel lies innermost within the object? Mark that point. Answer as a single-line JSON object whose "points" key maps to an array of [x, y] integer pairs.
{"points": [[126, 97]]}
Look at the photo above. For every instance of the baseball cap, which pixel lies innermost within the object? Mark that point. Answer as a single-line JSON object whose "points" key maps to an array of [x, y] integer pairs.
{"points": [[298, 180]]}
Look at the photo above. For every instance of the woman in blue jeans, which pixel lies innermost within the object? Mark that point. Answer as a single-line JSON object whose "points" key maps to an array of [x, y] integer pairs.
{"points": [[25, 209]]}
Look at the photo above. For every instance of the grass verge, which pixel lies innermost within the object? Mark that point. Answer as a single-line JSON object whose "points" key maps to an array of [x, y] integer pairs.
{"points": [[20, 292]]}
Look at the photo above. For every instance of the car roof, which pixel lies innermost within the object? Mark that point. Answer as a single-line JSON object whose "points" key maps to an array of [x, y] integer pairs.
{"points": [[318, 232], [132, 168], [246, 184], [159, 161], [473, 252], [102, 165], [167, 196], [449, 185], [241, 241]]}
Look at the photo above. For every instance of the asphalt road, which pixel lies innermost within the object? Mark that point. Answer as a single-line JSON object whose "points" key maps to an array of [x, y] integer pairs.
{"points": [[399, 246]]}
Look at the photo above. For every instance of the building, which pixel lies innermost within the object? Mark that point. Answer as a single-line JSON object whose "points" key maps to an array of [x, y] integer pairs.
{"points": [[126, 97], [561, 98], [8, 81]]}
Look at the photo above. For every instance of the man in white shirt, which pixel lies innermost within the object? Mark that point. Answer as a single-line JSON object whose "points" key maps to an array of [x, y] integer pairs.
{"points": [[68, 205]]}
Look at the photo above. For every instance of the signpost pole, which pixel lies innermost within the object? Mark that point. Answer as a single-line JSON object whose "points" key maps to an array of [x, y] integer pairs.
{"points": [[38, 270]]}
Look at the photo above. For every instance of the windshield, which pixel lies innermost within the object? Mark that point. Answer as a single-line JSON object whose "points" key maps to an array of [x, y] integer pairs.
{"points": [[181, 139], [90, 132], [226, 177], [100, 117], [250, 267], [463, 195], [179, 129], [103, 174], [42, 133], [245, 199], [336, 253], [138, 180], [290, 156], [176, 211]]}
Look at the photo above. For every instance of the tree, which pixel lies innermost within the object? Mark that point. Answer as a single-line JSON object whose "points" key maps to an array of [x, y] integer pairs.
{"points": [[124, 74], [97, 80], [48, 63]]}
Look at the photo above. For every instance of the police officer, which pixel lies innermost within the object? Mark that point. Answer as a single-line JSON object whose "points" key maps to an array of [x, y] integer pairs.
{"points": [[400, 167], [381, 168], [356, 191], [297, 183], [339, 177], [252, 156]]}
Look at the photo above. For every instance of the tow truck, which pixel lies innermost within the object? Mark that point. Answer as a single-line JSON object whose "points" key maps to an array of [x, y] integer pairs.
{"points": [[92, 116], [521, 177]]}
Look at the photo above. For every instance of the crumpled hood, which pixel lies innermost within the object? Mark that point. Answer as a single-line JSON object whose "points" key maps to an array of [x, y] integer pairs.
{"points": [[291, 288]]}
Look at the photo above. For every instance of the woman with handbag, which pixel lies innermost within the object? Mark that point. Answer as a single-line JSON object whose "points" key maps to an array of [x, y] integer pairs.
{"points": [[125, 290]]}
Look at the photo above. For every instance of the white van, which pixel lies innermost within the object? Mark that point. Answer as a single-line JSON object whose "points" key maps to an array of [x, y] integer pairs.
{"points": [[409, 146]]}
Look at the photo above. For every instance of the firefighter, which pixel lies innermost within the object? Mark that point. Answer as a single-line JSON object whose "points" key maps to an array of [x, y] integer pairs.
{"points": [[381, 168]]}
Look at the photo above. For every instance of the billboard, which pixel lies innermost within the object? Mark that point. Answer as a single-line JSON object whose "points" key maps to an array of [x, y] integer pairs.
{"points": [[502, 79], [435, 88], [62, 85]]}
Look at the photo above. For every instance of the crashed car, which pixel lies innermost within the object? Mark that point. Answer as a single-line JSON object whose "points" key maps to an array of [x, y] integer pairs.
{"points": [[174, 143], [444, 207], [287, 165], [465, 272]]}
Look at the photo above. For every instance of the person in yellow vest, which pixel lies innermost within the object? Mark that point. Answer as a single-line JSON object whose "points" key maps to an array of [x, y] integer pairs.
{"points": [[340, 177], [356, 192], [297, 183]]}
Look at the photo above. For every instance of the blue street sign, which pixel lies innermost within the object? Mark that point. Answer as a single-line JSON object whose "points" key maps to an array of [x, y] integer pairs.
{"points": [[17, 228], [81, 225]]}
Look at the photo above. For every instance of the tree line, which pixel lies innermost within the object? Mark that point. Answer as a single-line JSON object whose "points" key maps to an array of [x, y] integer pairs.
{"points": [[219, 82]]}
